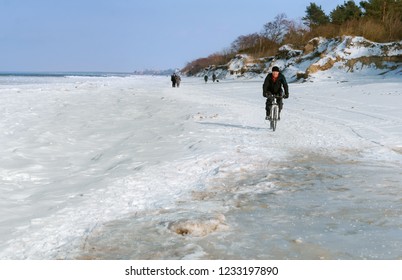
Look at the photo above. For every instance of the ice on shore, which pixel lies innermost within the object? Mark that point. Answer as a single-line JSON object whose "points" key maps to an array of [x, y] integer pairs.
{"points": [[130, 168]]}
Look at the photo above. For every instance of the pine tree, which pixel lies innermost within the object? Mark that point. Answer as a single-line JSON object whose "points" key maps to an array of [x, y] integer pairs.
{"points": [[381, 9], [315, 16], [388, 13], [348, 11]]}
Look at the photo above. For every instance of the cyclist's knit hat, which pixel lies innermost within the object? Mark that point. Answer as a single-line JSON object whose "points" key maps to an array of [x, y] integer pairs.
{"points": [[275, 69]]}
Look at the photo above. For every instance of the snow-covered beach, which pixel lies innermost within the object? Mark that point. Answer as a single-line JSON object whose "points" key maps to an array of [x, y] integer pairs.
{"points": [[130, 168]]}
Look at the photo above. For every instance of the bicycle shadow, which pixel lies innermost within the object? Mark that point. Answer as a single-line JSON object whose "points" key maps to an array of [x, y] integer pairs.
{"points": [[234, 125]]}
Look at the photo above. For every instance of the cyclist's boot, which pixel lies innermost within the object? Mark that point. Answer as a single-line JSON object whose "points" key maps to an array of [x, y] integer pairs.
{"points": [[267, 117], [279, 116]]}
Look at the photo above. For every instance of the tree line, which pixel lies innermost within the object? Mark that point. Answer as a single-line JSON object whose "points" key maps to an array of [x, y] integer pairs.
{"points": [[376, 20]]}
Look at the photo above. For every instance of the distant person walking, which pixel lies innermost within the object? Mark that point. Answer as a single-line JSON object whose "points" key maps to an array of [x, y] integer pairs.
{"points": [[173, 79], [213, 77], [273, 87], [206, 78], [178, 79]]}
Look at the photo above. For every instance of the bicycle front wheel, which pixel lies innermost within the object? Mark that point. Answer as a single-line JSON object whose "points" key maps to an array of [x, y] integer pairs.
{"points": [[274, 118]]}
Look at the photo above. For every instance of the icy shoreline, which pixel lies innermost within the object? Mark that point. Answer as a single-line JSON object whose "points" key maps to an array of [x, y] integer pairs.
{"points": [[91, 162]]}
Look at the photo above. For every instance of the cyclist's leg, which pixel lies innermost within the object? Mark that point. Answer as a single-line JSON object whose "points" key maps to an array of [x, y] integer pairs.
{"points": [[280, 104]]}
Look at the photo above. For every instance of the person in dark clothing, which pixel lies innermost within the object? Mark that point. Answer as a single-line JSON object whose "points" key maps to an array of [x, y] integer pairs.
{"points": [[206, 78], [213, 77], [273, 87], [173, 79]]}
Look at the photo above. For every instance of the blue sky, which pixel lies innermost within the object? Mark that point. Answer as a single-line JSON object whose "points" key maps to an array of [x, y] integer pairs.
{"points": [[128, 35]]}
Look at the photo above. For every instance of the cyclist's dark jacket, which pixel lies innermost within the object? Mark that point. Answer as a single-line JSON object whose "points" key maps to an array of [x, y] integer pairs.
{"points": [[275, 87]]}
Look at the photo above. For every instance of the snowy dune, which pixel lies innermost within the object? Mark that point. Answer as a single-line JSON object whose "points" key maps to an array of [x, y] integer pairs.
{"points": [[130, 168]]}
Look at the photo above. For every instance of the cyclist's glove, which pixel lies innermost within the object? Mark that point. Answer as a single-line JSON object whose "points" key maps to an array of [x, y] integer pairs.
{"points": [[268, 94]]}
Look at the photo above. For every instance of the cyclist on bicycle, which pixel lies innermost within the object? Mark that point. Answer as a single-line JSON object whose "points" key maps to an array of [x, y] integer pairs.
{"points": [[273, 87]]}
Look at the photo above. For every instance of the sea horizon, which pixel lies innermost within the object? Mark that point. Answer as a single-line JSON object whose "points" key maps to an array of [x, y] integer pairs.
{"points": [[63, 73], [84, 73]]}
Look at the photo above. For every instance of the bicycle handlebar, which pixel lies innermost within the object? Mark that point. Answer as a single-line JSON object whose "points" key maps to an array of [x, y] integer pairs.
{"points": [[272, 95]]}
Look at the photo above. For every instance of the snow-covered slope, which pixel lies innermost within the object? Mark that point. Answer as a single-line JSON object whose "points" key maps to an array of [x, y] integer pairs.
{"points": [[332, 56]]}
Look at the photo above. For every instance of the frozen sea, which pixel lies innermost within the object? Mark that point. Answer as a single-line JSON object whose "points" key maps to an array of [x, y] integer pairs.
{"points": [[127, 167]]}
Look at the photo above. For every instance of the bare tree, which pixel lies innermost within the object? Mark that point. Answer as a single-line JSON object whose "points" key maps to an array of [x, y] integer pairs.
{"points": [[276, 30], [296, 34], [245, 42]]}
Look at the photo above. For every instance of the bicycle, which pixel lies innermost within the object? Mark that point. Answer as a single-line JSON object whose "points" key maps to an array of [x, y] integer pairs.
{"points": [[274, 116]]}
